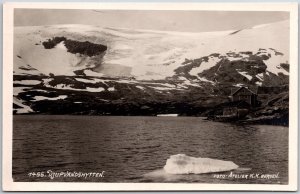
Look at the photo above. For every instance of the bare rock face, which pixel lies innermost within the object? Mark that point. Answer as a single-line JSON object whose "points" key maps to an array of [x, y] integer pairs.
{"points": [[73, 46], [244, 68]]}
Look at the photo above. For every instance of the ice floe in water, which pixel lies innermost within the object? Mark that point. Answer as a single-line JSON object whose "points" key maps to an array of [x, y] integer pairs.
{"points": [[183, 164], [183, 168]]}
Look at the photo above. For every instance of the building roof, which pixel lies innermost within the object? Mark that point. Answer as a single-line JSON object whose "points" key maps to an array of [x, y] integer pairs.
{"points": [[241, 89]]}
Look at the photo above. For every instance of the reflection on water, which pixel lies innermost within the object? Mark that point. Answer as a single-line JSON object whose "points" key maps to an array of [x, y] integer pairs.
{"points": [[135, 149]]}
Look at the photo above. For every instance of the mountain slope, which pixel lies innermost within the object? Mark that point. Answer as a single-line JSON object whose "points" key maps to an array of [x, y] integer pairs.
{"points": [[139, 53], [78, 69]]}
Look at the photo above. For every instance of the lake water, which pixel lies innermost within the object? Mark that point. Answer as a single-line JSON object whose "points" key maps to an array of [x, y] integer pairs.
{"points": [[135, 149]]}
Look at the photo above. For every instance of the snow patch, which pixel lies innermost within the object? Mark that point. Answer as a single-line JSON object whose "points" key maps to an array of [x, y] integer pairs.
{"points": [[260, 76], [234, 58], [212, 61], [189, 83], [18, 90], [168, 85], [163, 88], [243, 73], [111, 89], [258, 83], [273, 64], [38, 90], [28, 82], [47, 80], [238, 85], [24, 108], [140, 87], [62, 46], [184, 85], [126, 81], [22, 68], [94, 89], [93, 81], [203, 79], [24, 72], [38, 98], [56, 60], [68, 87], [260, 26], [183, 164], [93, 73]]}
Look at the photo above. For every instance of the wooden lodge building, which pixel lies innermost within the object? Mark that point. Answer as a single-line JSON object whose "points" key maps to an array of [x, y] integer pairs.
{"points": [[241, 101], [244, 94]]}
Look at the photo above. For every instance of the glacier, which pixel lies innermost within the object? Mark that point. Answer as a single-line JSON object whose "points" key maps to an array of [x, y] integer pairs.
{"points": [[145, 55]]}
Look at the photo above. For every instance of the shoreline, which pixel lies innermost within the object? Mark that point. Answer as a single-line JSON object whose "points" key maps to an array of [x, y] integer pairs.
{"points": [[253, 121]]}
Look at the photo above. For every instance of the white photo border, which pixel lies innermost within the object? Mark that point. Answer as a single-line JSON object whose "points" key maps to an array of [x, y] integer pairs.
{"points": [[8, 26]]}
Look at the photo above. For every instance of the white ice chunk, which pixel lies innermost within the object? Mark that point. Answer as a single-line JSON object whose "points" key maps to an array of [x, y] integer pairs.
{"points": [[183, 164]]}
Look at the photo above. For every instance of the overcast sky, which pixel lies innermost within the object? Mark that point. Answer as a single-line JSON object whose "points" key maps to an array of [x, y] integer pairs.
{"points": [[189, 21]]}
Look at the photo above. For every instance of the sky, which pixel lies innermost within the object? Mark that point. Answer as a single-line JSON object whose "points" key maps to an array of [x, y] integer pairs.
{"points": [[186, 21]]}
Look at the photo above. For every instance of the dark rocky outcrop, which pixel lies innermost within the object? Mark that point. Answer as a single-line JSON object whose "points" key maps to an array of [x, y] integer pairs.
{"points": [[73, 46], [227, 70], [51, 43]]}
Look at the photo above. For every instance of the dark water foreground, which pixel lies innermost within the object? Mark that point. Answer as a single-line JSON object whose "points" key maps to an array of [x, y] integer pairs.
{"points": [[135, 149]]}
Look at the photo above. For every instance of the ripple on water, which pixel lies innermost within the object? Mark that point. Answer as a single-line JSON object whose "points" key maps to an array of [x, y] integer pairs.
{"points": [[135, 149]]}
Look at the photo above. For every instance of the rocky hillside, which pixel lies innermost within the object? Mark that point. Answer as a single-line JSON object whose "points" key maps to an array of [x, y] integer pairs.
{"points": [[76, 69]]}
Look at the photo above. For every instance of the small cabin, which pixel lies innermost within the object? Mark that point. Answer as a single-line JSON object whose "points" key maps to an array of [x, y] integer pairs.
{"points": [[244, 94]]}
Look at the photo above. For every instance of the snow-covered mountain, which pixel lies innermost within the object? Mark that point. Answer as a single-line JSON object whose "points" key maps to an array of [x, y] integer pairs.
{"points": [[78, 64], [144, 54]]}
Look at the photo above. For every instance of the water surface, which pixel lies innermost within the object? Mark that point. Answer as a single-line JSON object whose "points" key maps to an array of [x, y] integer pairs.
{"points": [[135, 149]]}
